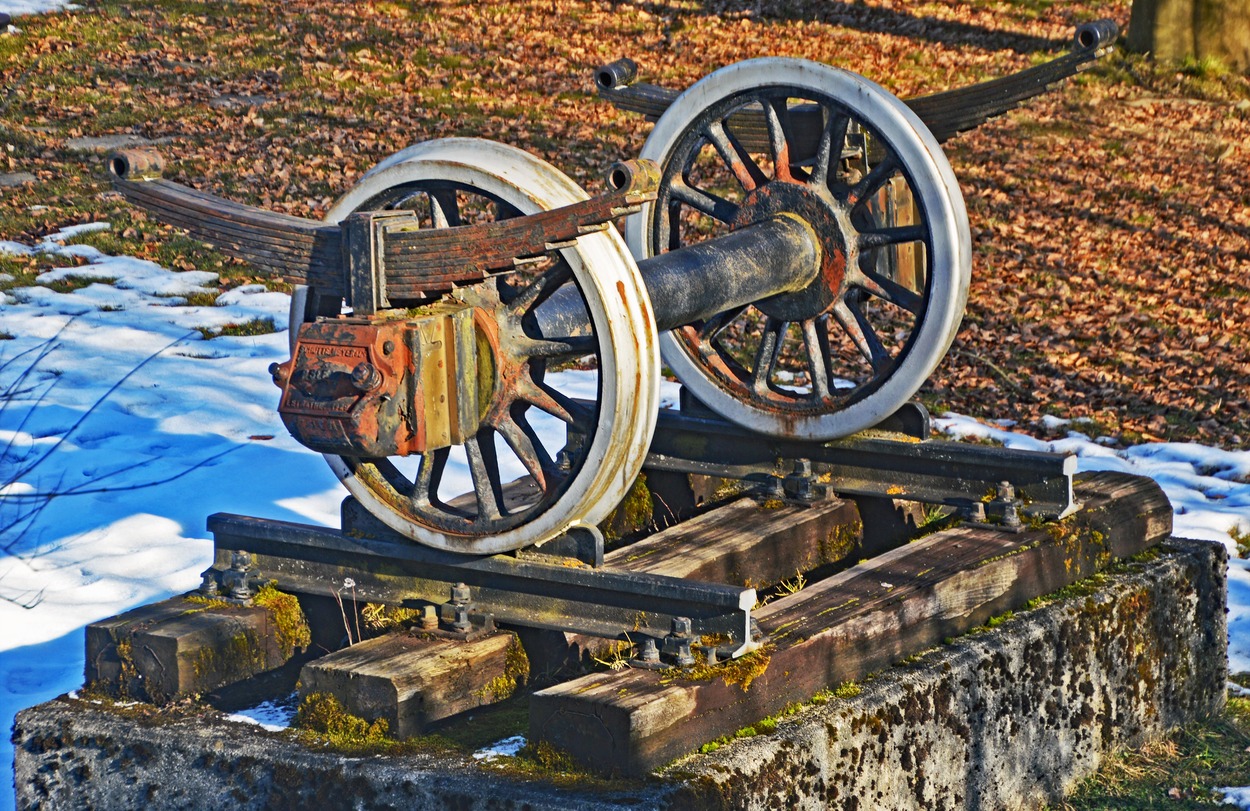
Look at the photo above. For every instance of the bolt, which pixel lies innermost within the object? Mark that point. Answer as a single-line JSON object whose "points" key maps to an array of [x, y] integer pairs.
{"points": [[278, 372], [429, 618], [770, 487], [682, 626], [240, 561], [684, 657], [800, 485], [462, 622], [366, 377], [650, 652], [460, 594], [1011, 516], [388, 347], [208, 584], [976, 512], [1006, 492], [240, 590]]}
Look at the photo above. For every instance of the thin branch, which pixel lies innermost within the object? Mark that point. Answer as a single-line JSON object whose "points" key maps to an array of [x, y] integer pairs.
{"points": [[65, 436]]}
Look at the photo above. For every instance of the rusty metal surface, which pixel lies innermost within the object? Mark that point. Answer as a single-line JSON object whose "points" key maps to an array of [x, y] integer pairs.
{"points": [[385, 386], [946, 114]]}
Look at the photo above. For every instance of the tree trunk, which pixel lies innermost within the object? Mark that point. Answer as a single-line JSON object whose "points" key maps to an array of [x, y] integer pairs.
{"points": [[1176, 29]]}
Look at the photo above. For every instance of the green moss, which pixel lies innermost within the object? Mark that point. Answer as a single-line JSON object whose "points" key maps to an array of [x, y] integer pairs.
{"points": [[288, 618], [549, 757], [129, 672], [841, 542], [632, 515], [206, 603], [243, 655], [727, 489], [994, 622], [516, 671], [380, 618], [741, 671], [322, 720], [847, 690]]}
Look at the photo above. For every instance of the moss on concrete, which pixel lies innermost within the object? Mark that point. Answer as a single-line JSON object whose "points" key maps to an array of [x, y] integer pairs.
{"points": [[242, 656], [322, 720]]}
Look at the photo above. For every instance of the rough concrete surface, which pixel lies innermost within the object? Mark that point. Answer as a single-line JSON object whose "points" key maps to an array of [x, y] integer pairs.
{"points": [[1007, 718]]}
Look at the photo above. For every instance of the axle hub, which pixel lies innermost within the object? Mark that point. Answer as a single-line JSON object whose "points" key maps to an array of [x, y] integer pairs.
{"points": [[829, 221]]}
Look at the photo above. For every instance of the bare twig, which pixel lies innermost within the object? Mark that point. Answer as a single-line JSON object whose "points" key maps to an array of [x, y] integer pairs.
{"points": [[111, 389], [997, 370]]}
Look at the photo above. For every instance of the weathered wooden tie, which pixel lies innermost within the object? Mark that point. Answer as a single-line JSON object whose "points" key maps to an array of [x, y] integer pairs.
{"points": [[745, 543], [848, 626], [411, 681], [185, 646]]}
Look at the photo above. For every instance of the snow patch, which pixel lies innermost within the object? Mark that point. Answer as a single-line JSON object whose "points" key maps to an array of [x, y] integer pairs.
{"points": [[508, 747]]}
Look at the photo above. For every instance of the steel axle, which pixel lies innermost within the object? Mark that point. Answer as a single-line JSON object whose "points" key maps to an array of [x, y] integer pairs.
{"points": [[777, 256]]}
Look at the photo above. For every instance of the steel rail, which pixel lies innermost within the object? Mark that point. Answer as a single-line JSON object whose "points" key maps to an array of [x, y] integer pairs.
{"points": [[869, 464], [387, 568]]}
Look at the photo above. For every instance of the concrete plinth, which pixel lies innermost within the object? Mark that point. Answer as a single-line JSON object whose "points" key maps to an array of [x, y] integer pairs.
{"points": [[1007, 718]]}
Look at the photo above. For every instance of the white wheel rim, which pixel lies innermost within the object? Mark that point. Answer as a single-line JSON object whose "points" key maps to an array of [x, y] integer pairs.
{"points": [[620, 311], [940, 197]]}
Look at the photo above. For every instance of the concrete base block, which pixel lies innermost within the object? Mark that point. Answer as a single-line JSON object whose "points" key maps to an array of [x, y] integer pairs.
{"points": [[1008, 718]]}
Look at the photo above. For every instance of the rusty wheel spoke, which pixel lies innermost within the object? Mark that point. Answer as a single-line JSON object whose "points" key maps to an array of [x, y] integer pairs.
{"points": [[872, 182], [832, 140], [429, 476], [888, 289], [861, 334], [444, 209], [766, 354], [735, 156], [484, 468], [537, 291], [528, 449], [816, 342], [777, 116], [710, 204], [551, 402], [897, 235]]}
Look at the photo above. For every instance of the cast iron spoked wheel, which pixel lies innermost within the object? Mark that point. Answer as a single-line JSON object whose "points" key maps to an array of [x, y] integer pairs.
{"points": [[770, 137], [521, 488]]}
